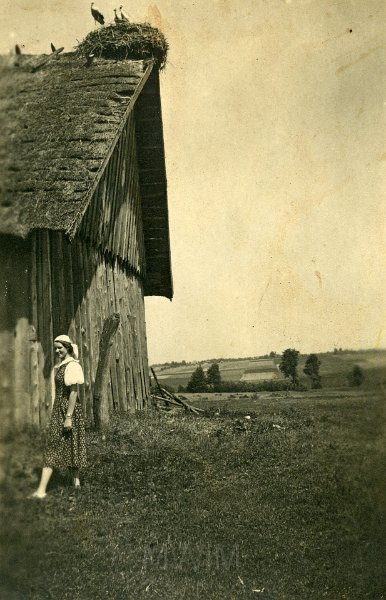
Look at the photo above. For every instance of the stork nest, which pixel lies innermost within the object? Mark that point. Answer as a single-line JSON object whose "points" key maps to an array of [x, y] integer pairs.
{"points": [[126, 41]]}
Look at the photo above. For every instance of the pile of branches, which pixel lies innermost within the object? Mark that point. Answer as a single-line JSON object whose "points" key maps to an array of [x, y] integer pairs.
{"points": [[166, 400], [126, 41]]}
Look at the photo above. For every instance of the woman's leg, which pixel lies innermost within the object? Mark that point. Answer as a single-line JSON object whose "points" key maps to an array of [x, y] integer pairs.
{"points": [[45, 478], [75, 477]]}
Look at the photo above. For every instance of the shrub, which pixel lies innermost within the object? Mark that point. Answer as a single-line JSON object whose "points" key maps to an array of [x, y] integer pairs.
{"points": [[356, 377], [282, 385]]}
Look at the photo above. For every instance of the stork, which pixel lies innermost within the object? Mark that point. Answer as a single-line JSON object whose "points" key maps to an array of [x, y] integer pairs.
{"points": [[116, 18], [53, 49], [97, 15], [124, 15]]}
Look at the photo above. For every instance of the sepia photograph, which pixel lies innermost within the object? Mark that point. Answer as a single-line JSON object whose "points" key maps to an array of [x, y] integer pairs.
{"points": [[193, 300]]}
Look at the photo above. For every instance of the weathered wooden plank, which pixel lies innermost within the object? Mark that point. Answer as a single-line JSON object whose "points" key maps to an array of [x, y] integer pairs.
{"points": [[86, 257], [105, 307], [115, 198], [128, 238], [82, 343], [121, 186], [77, 301], [111, 310], [100, 313], [41, 329], [34, 358], [119, 342]]}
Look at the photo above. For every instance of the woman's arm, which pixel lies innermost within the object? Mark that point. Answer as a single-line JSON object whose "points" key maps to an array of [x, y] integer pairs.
{"points": [[71, 405]]}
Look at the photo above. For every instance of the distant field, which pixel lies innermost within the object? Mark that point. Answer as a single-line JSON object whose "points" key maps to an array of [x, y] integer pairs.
{"points": [[334, 369]]}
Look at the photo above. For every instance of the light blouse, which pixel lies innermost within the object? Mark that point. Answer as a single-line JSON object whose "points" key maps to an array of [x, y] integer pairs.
{"points": [[73, 374]]}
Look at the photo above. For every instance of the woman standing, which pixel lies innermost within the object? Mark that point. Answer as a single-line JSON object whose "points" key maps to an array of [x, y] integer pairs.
{"points": [[65, 445]]}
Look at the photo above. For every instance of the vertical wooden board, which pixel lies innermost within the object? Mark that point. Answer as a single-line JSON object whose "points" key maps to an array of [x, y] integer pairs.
{"points": [[99, 222], [85, 259], [7, 391], [140, 347], [48, 313], [123, 214], [110, 309], [42, 330], [102, 313], [139, 242], [90, 268], [22, 399], [119, 191], [126, 190], [105, 304], [117, 198], [125, 176], [69, 286], [94, 313], [129, 341], [125, 293], [82, 342], [131, 199], [119, 352], [130, 349], [144, 344], [90, 218], [58, 268], [125, 311], [14, 311], [34, 381], [109, 207], [114, 353], [22, 274], [134, 342], [126, 196], [123, 191], [77, 302], [34, 358]]}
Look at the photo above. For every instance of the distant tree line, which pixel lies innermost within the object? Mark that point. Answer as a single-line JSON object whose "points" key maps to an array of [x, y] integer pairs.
{"points": [[211, 380]]}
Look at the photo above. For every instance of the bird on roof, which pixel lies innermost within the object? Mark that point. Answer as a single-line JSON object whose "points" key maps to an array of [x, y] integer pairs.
{"points": [[89, 60], [53, 47], [17, 49], [124, 15], [97, 15], [116, 18]]}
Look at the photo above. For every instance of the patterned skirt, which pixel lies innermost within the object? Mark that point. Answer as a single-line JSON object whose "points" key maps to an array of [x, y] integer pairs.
{"points": [[65, 449]]}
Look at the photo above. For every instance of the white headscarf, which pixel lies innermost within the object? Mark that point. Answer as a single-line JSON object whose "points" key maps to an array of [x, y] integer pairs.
{"points": [[65, 338]]}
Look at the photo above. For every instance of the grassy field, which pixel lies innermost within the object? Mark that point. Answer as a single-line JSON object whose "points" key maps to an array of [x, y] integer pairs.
{"points": [[285, 505], [334, 369]]}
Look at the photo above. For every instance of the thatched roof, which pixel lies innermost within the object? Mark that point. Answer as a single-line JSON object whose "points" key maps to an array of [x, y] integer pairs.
{"points": [[58, 125]]}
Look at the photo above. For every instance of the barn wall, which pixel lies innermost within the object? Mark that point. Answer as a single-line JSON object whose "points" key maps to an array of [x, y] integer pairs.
{"points": [[113, 220], [70, 288], [15, 331], [49, 287], [74, 288]]}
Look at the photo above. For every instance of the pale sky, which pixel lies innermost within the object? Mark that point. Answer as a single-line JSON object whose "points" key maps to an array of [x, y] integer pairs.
{"points": [[274, 125]]}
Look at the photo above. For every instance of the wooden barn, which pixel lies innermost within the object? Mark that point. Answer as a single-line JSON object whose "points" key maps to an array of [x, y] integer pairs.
{"points": [[83, 224]]}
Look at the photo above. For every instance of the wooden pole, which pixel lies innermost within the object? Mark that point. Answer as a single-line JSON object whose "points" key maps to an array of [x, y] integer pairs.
{"points": [[162, 391], [101, 410]]}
